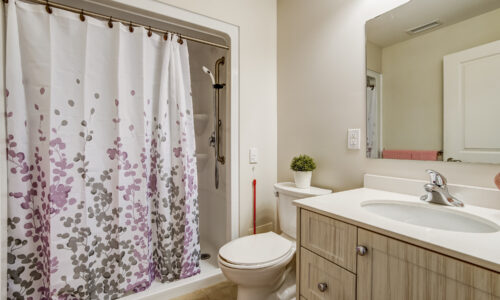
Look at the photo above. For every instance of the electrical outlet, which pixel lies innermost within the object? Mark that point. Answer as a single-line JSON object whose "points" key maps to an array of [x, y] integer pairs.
{"points": [[253, 156], [354, 138]]}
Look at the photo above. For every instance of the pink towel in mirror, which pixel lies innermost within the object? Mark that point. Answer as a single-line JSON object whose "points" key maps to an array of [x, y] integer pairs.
{"points": [[411, 154]]}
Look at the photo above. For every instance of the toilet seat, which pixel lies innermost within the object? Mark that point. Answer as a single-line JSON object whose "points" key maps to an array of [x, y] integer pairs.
{"points": [[273, 263], [256, 251]]}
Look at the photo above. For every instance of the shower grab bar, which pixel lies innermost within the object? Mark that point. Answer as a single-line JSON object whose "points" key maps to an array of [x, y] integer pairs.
{"points": [[218, 123]]}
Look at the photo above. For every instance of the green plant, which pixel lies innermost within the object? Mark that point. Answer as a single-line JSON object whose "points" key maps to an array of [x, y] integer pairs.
{"points": [[303, 163]]}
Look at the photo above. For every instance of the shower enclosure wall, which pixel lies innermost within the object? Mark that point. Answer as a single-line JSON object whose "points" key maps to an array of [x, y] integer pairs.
{"points": [[212, 201]]}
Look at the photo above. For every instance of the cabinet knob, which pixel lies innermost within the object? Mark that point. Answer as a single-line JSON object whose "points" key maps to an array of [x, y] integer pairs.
{"points": [[361, 250], [322, 286]]}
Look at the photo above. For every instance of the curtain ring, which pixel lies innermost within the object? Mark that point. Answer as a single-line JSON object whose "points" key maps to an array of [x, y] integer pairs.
{"points": [[6, 1], [179, 39], [82, 16], [149, 32], [110, 22], [47, 7], [165, 36], [130, 27]]}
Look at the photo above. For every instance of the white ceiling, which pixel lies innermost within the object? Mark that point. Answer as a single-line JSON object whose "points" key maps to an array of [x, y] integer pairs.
{"points": [[391, 27]]}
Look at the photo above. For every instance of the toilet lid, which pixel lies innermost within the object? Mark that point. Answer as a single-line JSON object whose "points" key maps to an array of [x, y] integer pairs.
{"points": [[255, 249]]}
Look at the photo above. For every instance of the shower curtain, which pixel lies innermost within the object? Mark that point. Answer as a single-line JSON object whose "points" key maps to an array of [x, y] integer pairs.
{"points": [[372, 144], [101, 155]]}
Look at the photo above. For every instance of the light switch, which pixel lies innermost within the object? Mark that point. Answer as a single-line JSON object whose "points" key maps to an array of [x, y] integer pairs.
{"points": [[253, 155], [354, 138]]}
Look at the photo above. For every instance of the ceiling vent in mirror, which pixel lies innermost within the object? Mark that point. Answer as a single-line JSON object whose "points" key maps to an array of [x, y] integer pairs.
{"points": [[424, 27]]}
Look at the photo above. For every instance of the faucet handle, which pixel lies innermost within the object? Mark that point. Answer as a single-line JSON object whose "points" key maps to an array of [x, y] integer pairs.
{"points": [[437, 178]]}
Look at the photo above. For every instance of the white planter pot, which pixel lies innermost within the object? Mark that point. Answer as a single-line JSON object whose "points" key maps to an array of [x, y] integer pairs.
{"points": [[302, 179]]}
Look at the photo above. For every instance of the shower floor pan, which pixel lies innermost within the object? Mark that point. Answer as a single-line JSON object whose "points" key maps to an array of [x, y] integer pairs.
{"points": [[210, 275]]}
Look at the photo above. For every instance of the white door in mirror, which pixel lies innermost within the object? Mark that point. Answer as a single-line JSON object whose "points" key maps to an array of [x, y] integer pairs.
{"points": [[472, 104], [353, 138]]}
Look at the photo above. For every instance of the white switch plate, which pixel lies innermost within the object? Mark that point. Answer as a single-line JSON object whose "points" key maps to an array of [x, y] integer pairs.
{"points": [[353, 138], [253, 155]]}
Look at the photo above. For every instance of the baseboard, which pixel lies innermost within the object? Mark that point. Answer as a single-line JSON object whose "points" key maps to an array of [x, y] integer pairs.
{"points": [[262, 228]]}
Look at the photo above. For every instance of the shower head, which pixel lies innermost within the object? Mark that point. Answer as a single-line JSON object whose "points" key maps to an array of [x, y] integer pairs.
{"points": [[207, 71]]}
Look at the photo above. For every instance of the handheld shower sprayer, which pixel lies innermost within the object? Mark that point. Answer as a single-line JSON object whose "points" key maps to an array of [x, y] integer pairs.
{"points": [[207, 71]]}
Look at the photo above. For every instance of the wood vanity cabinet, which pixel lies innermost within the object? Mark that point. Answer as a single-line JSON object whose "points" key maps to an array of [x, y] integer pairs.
{"points": [[328, 267]]}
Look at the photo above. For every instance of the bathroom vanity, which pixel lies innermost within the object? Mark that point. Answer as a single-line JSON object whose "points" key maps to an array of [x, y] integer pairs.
{"points": [[359, 244]]}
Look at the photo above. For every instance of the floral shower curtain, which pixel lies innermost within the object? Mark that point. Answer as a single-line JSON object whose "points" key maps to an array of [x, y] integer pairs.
{"points": [[101, 156]]}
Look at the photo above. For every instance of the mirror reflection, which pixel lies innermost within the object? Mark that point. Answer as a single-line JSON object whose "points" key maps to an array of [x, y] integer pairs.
{"points": [[433, 82]]}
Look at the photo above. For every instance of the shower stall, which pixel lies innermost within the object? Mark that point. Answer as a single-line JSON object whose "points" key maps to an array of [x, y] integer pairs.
{"points": [[215, 114]]}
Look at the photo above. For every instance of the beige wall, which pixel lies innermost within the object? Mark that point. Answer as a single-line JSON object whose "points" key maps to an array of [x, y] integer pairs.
{"points": [[413, 81], [258, 126], [373, 57], [321, 79]]}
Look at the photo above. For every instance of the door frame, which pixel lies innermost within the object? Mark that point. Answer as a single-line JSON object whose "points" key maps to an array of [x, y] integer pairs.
{"points": [[379, 87]]}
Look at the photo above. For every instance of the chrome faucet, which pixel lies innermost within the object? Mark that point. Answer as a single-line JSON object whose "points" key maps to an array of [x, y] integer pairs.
{"points": [[437, 191]]}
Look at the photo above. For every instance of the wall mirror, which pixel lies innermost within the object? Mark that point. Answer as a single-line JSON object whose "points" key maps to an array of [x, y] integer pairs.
{"points": [[433, 82]]}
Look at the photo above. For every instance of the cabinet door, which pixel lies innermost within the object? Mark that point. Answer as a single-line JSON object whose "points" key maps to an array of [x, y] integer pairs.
{"points": [[394, 270], [323, 280], [332, 239]]}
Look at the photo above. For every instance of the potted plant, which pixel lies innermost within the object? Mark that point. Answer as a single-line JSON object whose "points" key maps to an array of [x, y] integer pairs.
{"points": [[302, 166]]}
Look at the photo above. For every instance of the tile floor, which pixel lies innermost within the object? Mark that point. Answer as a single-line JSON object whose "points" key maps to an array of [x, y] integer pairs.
{"points": [[223, 291]]}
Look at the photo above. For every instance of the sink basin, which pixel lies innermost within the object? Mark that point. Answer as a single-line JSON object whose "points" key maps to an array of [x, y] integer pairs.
{"points": [[430, 216]]}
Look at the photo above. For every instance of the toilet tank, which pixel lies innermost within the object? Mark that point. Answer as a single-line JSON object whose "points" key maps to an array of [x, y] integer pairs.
{"points": [[287, 212]]}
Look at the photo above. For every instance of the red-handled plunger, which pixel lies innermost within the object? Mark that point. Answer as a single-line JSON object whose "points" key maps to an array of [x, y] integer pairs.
{"points": [[254, 206]]}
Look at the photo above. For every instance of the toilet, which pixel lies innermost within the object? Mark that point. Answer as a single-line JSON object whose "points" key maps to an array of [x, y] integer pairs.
{"points": [[259, 264]]}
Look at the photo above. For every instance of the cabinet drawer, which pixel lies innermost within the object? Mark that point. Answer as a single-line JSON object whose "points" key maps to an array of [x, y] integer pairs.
{"points": [[332, 239], [336, 282]]}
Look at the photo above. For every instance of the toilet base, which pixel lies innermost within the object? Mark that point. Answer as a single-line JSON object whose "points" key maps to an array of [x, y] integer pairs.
{"points": [[253, 293], [286, 290]]}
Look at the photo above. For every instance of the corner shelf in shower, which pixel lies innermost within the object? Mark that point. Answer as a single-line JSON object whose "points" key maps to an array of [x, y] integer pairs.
{"points": [[200, 123], [201, 159]]}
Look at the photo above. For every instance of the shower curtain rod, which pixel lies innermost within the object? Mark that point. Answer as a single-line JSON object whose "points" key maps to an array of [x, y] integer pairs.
{"points": [[83, 12]]}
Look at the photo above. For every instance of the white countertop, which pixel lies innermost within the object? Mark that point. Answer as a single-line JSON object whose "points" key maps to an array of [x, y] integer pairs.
{"points": [[482, 249]]}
